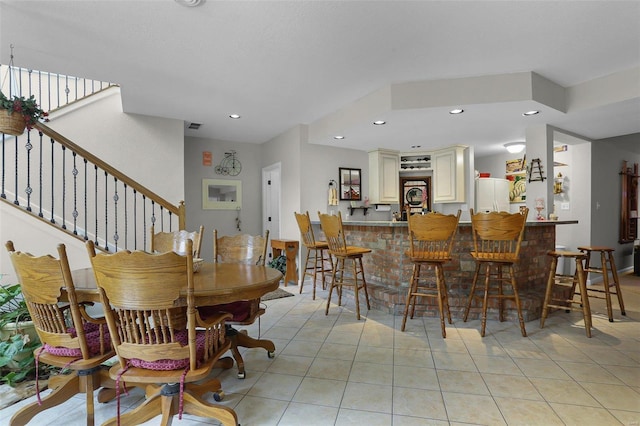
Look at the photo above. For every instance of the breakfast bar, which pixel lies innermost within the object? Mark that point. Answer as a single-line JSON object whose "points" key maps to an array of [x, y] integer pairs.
{"points": [[389, 267]]}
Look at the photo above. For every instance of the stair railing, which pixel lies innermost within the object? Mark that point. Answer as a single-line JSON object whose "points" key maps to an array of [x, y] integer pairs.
{"points": [[57, 181]]}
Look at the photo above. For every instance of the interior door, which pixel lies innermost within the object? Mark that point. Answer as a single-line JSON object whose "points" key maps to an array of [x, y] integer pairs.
{"points": [[271, 204]]}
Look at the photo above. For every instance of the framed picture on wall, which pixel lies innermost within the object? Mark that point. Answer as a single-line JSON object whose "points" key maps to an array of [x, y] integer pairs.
{"points": [[350, 184]]}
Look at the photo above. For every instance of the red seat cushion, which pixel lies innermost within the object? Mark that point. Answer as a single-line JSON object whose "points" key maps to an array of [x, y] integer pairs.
{"points": [[92, 335], [181, 337], [240, 310]]}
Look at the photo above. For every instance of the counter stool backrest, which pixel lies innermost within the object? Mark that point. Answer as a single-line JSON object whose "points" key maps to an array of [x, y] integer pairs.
{"points": [[431, 235], [306, 230], [243, 248], [332, 228], [498, 234], [176, 241]]}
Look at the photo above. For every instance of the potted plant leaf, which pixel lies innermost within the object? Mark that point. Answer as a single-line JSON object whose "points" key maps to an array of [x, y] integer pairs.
{"points": [[18, 337], [19, 112]]}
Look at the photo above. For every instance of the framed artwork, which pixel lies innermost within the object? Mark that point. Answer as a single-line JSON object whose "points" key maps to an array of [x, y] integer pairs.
{"points": [[221, 194], [350, 184]]}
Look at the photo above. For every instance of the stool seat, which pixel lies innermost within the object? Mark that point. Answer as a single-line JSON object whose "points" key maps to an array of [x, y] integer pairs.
{"points": [[564, 301], [607, 264]]}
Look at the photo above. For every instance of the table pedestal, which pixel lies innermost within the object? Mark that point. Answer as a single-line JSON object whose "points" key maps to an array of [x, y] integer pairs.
{"points": [[290, 248]]}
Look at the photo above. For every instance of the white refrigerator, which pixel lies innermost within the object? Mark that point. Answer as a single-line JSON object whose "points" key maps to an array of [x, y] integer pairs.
{"points": [[492, 194]]}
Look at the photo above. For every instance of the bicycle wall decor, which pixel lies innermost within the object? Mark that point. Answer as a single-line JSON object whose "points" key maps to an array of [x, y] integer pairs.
{"points": [[229, 165]]}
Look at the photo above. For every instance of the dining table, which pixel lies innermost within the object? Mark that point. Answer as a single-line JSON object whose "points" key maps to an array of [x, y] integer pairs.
{"points": [[214, 283]]}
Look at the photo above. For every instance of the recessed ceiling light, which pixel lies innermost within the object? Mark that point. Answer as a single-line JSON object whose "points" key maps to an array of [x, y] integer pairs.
{"points": [[456, 111], [234, 116], [379, 122], [528, 113], [338, 137]]}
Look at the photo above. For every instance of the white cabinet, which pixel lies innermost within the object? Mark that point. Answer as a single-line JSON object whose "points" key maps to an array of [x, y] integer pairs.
{"points": [[448, 175], [492, 195], [383, 176]]}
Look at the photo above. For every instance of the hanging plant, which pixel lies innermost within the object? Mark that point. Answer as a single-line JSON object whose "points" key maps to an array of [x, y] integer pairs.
{"points": [[18, 113]]}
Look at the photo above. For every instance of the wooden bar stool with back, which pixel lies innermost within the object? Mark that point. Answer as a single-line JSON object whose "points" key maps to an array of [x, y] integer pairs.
{"points": [[497, 237], [430, 243], [317, 258], [338, 248]]}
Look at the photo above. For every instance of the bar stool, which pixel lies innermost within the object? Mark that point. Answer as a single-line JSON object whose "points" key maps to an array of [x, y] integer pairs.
{"points": [[567, 281], [497, 237], [606, 263], [321, 260], [332, 228], [430, 243]]}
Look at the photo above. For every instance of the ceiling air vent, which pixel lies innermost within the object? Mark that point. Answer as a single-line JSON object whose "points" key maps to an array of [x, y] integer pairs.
{"points": [[195, 126]]}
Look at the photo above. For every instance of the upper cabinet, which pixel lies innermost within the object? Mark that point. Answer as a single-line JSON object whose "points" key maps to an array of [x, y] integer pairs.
{"points": [[448, 175], [383, 176]]}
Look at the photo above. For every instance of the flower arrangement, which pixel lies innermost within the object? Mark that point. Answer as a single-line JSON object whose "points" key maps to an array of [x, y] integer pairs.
{"points": [[27, 108]]}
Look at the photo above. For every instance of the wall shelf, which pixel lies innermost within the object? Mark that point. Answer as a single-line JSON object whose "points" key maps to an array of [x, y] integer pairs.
{"points": [[363, 208]]}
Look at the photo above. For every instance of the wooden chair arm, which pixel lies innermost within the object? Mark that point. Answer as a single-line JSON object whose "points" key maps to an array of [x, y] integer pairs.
{"points": [[212, 320]]}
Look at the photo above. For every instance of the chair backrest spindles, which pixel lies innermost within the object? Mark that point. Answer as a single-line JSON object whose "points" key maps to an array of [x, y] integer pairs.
{"points": [[241, 248], [334, 233], [498, 234]]}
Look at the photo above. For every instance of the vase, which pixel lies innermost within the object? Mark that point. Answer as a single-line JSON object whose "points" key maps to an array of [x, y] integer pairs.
{"points": [[11, 124]]}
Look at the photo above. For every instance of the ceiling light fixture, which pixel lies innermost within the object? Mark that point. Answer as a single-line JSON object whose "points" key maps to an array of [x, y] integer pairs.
{"points": [[515, 147], [456, 111], [528, 113], [234, 116], [190, 3], [338, 137], [379, 122], [416, 146]]}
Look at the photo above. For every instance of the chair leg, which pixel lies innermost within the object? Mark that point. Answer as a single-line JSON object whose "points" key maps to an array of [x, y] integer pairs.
{"points": [[584, 298], [355, 287], [364, 284], [547, 294], [605, 277], [306, 268], [333, 284], [472, 292], [198, 407], [485, 299], [517, 299], [614, 273], [441, 296], [410, 296], [63, 392]]}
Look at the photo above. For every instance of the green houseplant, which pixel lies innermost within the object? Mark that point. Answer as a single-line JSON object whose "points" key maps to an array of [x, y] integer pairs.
{"points": [[19, 112], [17, 337]]}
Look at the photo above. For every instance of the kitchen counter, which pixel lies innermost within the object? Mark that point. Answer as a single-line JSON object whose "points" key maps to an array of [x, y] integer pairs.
{"points": [[388, 267]]}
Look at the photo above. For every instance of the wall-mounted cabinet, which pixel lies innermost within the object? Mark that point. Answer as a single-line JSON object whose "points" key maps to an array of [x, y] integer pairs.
{"points": [[415, 162], [448, 175], [383, 176]]}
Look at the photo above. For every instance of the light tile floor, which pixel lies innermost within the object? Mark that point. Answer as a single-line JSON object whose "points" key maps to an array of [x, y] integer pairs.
{"points": [[335, 370]]}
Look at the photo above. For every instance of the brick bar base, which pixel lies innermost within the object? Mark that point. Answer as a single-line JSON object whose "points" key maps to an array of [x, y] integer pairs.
{"points": [[388, 270]]}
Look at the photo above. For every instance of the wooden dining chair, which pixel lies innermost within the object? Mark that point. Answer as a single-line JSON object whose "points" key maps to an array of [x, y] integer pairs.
{"points": [[250, 249], [317, 258], [71, 339], [341, 252], [176, 241], [157, 340], [497, 237], [430, 243]]}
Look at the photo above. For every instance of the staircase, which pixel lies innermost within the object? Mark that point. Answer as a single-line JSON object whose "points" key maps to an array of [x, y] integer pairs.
{"points": [[55, 180]]}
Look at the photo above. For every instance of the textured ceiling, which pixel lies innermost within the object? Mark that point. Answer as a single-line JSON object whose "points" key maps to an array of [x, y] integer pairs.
{"points": [[337, 66]]}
